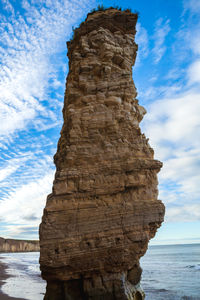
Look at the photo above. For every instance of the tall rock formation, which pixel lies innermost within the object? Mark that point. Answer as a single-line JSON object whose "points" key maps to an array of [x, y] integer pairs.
{"points": [[103, 208]]}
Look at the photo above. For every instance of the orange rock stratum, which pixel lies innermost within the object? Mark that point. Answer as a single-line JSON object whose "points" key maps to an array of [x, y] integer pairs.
{"points": [[103, 209]]}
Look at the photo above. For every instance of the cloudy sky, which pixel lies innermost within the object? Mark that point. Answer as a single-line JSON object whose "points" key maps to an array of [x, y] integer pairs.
{"points": [[34, 66]]}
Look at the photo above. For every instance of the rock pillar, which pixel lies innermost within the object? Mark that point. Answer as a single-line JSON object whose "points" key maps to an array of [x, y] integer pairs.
{"points": [[103, 208]]}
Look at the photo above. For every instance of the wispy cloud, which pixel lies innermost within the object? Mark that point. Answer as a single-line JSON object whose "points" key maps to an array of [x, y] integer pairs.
{"points": [[162, 29], [9, 167], [21, 231], [173, 123], [173, 127], [28, 47], [25, 204], [8, 6], [183, 213], [32, 81], [33, 69], [142, 40], [194, 72], [192, 5]]}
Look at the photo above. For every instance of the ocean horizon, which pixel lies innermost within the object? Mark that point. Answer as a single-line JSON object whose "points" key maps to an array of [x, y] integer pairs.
{"points": [[170, 272]]}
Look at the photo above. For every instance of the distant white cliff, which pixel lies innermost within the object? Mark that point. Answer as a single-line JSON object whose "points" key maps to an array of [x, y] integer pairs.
{"points": [[11, 245]]}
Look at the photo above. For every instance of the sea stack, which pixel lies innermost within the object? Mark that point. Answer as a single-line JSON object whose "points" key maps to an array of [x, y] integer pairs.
{"points": [[103, 209]]}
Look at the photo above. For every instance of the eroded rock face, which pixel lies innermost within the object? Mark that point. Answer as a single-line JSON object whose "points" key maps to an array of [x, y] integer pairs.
{"points": [[103, 208]]}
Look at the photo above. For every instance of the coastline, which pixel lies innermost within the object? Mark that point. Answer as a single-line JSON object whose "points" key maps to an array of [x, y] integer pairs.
{"points": [[3, 277]]}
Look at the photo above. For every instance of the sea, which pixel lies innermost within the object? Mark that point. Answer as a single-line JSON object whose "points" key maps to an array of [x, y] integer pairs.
{"points": [[170, 272]]}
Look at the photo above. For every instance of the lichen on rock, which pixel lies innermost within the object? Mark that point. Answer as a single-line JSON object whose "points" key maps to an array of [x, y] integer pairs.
{"points": [[103, 209]]}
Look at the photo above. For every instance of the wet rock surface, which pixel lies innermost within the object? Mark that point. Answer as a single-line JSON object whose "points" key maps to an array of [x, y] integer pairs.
{"points": [[103, 208]]}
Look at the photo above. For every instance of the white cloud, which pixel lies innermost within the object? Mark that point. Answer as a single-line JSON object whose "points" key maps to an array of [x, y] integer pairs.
{"points": [[173, 124], [21, 231], [185, 213], [192, 5], [162, 29], [175, 120], [8, 6], [30, 49], [194, 72], [32, 57], [10, 167], [28, 44], [195, 41], [191, 28], [26, 201], [142, 41]]}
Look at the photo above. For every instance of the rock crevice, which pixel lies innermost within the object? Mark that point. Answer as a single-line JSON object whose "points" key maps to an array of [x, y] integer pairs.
{"points": [[103, 208]]}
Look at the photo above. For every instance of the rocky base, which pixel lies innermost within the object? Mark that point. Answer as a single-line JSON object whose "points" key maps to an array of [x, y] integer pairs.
{"points": [[102, 287]]}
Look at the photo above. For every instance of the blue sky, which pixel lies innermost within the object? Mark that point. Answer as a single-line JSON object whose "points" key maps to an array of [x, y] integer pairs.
{"points": [[34, 67]]}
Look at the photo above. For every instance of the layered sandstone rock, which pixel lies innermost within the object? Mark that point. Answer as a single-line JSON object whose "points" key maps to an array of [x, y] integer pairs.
{"points": [[103, 208], [11, 245]]}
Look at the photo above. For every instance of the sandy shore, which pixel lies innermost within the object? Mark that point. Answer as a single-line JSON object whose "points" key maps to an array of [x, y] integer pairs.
{"points": [[3, 277]]}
